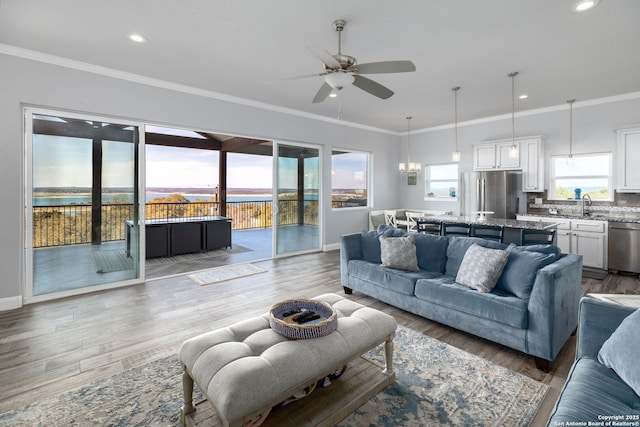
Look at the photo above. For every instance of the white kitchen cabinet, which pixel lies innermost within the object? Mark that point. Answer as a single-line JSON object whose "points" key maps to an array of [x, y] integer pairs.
{"points": [[627, 155], [503, 161], [592, 248], [484, 157], [495, 156], [579, 236], [532, 159]]}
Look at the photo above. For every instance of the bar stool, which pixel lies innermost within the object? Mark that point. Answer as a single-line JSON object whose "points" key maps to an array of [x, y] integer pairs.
{"points": [[537, 237], [490, 232], [455, 229], [429, 226]]}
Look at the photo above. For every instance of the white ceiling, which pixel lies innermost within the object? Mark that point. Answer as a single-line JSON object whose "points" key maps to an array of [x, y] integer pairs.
{"points": [[233, 46]]}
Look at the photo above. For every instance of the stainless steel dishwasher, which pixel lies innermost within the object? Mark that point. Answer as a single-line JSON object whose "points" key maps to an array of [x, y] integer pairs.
{"points": [[624, 246]]}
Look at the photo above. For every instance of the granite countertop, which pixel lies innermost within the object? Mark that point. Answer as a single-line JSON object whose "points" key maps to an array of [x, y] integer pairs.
{"points": [[508, 223], [591, 217]]}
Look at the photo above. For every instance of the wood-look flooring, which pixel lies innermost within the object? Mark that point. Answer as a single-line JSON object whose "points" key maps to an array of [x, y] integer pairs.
{"points": [[53, 346]]}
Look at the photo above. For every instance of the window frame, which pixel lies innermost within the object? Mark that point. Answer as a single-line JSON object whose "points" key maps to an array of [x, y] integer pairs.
{"points": [[367, 179], [428, 181], [553, 177]]}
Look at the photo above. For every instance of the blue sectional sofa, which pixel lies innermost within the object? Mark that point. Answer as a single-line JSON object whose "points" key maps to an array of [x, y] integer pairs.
{"points": [[593, 393], [533, 308]]}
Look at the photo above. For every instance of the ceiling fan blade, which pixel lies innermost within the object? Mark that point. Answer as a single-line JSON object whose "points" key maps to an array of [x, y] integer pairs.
{"points": [[322, 93], [372, 87], [325, 57], [286, 79], [385, 67]]}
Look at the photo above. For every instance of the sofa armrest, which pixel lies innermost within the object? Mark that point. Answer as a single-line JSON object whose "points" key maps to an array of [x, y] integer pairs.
{"points": [[553, 306], [598, 320], [350, 248]]}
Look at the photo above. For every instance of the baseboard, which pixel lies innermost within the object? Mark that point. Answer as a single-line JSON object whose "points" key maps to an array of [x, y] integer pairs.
{"points": [[331, 247], [10, 303]]}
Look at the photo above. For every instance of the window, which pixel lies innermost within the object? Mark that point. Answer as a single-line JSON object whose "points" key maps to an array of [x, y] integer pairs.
{"points": [[441, 181], [591, 173], [349, 178]]}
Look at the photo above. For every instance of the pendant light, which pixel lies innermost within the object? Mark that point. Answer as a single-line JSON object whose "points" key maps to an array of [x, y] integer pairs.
{"points": [[412, 168], [513, 150], [455, 156], [570, 102]]}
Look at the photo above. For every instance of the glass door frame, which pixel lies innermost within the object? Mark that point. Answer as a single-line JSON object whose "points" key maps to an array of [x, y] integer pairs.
{"points": [[276, 187], [27, 223]]}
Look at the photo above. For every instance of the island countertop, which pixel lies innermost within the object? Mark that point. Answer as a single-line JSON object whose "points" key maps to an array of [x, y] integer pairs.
{"points": [[507, 223]]}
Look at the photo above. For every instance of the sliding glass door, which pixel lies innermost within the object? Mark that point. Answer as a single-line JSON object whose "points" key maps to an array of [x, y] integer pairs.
{"points": [[81, 204], [296, 197]]}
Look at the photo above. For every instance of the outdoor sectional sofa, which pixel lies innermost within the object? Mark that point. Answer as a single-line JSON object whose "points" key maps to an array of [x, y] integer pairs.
{"points": [[532, 309]]}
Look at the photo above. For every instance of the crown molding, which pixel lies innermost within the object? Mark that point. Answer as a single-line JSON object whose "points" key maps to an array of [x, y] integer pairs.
{"points": [[176, 87]]}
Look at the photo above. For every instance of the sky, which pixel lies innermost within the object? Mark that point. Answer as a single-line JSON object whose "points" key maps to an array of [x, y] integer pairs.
{"points": [[66, 162]]}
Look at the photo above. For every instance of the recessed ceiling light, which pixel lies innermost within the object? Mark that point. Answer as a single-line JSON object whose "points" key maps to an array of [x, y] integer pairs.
{"points": [[584, 5], [333, 95], [137, 38], [523, 96]]}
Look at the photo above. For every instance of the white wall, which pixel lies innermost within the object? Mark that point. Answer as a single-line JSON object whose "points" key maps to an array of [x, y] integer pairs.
{"points": [[24, 82], [594, 126]]}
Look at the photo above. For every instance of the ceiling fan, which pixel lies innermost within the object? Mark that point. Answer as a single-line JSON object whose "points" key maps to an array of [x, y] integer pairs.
{"points": [[341, 70]]}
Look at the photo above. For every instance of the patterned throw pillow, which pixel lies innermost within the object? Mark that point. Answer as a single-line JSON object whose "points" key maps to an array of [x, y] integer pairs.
{"points": [[481, 267], [399, 253]]}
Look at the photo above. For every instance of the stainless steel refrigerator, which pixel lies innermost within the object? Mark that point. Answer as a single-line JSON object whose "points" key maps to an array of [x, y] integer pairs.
{"points": [[496, 191]]}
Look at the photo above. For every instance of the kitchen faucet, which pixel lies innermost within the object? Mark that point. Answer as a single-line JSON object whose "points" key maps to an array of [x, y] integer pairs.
{"points": [[586, 196]]}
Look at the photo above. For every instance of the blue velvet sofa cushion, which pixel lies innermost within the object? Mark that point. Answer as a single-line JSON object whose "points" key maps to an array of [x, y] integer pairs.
{"points": [[522, 267], [396, 280], [621, 351], [371, 242], [431, 251], [496, 305], [593, 390], [458, 246]]}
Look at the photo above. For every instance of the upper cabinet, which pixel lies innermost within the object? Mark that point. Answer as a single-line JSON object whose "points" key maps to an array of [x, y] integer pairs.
{"points": [[494, 155], [627, 153], [532, 155]]}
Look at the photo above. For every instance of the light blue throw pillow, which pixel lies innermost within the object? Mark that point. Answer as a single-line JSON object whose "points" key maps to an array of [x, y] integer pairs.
{"points": [[481, 267], [520, 272], [621, 351]]}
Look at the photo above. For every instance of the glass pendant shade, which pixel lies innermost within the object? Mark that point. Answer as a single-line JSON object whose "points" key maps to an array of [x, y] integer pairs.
{"points": [[455, 156]]}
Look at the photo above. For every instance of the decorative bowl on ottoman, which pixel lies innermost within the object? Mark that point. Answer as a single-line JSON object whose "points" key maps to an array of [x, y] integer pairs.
{"points": [[303, 319]]}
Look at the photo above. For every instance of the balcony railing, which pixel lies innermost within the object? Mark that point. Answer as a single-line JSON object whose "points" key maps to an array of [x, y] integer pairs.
{"points": [[71, 224]]}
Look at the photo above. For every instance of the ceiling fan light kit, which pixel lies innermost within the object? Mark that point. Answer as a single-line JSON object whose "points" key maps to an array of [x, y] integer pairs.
{"points": [[342, 70]]}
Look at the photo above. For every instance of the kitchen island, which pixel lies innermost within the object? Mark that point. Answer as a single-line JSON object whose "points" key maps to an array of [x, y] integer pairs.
{"points": [[512, 227]]}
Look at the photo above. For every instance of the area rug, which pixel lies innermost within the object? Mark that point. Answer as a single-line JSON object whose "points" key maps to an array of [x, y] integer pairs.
{"points": [[110, 260], [226, 272], [235, 249], [437, 385]]}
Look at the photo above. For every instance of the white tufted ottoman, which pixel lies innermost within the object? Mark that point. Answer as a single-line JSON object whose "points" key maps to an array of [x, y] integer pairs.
{"points": [[247, 368]]}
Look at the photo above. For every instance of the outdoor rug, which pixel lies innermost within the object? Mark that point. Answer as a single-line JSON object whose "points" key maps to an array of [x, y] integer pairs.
{"points": [[196, 256], [226, 272], [437, 385], [110, 260]]}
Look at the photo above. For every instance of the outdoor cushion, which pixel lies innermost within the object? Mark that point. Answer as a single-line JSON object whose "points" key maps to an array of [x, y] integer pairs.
{"points": [[399, 253], [481, 268], [496, 305], [621, 350], [389, 278], [522, 267]]}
